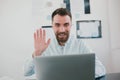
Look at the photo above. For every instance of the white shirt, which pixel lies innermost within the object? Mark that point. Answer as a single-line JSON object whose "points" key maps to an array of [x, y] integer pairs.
{"points": [[72, 46]]}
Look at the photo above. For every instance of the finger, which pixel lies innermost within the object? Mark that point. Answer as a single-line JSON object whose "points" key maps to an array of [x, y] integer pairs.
{"points": [[37, 34], [40, 33], [35, 37], [44, 36]]}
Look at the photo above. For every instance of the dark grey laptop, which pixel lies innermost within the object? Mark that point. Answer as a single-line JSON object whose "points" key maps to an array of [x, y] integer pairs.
{"points": [[65, 67]]}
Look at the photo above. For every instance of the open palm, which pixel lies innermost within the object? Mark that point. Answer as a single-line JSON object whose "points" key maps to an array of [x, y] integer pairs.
{"points": [[40, 43]]}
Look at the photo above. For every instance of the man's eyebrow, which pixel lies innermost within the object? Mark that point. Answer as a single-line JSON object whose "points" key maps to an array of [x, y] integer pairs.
{"points": [[57, 23], [66, 23]]}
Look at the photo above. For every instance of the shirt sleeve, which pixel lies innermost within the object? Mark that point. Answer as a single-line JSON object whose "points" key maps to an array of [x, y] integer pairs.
{"points": [[84, 48], [99, 67], [29, 67]]}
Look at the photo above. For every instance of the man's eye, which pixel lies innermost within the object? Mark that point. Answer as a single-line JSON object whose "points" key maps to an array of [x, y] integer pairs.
{"points": [[66, 25], [57, 25]]}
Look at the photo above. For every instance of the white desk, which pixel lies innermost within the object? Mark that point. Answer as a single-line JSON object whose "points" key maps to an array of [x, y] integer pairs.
{"points": [[111, 76]]}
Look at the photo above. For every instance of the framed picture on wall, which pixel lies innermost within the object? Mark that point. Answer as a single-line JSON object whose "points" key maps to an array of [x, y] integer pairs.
{"points": [[87, 6], [88, 29], [67, 2], [46, 26]]}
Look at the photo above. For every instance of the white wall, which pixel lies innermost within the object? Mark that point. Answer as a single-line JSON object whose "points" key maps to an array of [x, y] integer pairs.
{"points": [[114, 24], [16, 32]]}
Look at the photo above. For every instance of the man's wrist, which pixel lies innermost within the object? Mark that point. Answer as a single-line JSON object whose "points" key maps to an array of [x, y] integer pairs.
{"points": [[33, 55], [36, 53]]}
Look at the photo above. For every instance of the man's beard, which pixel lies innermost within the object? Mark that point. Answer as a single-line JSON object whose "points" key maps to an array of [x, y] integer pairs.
{"points": [[62, 37]]}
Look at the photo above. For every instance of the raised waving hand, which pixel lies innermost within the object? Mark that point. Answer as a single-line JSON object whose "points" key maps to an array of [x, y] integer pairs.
{"points": [[40, 43]]}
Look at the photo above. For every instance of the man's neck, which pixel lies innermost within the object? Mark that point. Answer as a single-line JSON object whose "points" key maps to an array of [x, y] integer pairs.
{"points": [[61, 43]]}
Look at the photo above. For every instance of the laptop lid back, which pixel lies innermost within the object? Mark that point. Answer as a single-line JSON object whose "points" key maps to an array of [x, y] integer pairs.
{"points": [[65, 67]]}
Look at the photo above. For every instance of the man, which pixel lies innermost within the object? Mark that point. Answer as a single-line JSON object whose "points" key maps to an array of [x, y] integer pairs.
{"points": [[62, 44]]}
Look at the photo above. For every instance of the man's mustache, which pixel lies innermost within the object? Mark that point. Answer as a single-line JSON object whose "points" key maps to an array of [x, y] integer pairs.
{"points": [[65, 33]]}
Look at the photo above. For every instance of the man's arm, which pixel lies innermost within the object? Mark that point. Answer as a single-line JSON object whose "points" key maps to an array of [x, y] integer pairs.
{"points": [[99, 68], [29, 67], [40, 45]]}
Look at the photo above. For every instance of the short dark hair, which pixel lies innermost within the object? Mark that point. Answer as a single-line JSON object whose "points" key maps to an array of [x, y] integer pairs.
{"points": [[61, 12]]}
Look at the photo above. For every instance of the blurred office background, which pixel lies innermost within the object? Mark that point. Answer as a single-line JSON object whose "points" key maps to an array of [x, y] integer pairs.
{"points": [[20, 18]]}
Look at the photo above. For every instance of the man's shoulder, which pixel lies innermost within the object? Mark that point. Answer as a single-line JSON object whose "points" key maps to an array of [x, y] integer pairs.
{"points": [[75, 39]]}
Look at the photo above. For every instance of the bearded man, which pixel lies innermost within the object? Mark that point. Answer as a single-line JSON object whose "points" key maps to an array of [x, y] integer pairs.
{"points": [[62, 44]]}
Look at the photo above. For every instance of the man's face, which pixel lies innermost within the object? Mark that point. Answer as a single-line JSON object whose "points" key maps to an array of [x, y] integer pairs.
{"points": [[61, 26]]}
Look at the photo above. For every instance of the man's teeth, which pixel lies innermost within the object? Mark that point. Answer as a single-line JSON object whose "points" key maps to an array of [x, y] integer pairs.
{"points": [[61, 34]]}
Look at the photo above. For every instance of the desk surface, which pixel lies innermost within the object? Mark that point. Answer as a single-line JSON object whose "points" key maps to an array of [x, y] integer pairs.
{"points": [[113, 76], [110, 76]]}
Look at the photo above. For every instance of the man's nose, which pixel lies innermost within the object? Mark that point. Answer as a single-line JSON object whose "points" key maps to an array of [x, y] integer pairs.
{"points": [[62, 29]]}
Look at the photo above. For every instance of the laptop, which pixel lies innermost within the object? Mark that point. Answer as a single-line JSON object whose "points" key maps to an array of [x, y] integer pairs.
{"points": [[65, 67]]}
